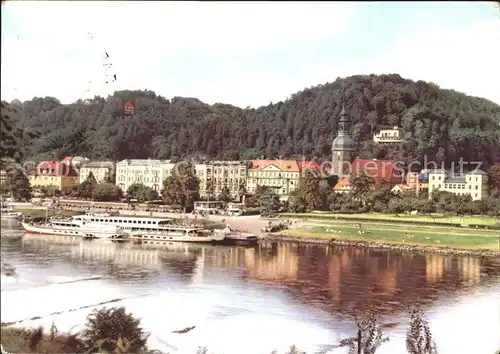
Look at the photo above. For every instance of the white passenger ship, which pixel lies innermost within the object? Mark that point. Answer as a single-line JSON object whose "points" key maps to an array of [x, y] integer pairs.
{"points": [[128, 222], [104, 225], [67, 228]]}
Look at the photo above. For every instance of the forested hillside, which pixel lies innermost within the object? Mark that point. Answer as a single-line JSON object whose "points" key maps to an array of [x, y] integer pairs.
{"points": [[442, 124]]}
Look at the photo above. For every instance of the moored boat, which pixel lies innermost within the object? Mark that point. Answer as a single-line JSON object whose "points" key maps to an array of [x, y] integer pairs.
{"points": [[237, 238], [177, 234], [66, 228], [10, 214], [7, 212]]}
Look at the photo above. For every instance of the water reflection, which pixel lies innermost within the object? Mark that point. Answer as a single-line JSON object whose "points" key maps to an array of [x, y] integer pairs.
{"points": [[342, 280]]}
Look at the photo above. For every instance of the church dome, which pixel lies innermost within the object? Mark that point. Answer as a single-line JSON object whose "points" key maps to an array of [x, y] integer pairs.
{"points": [[343, 143]]}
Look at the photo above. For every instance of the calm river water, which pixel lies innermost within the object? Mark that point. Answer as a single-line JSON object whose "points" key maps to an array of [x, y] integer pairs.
{"points": [[252, 300]]}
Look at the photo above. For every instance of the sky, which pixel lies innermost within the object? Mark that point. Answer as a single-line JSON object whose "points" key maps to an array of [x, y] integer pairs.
{"points": [[242, 53]]}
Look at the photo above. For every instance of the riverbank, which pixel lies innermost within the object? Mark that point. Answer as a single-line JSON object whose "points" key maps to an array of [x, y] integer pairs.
{"points": [[380, 242]]}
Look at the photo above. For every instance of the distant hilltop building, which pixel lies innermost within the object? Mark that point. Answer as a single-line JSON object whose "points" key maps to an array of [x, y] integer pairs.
{"points": [[75, 161], [343, 148], [388, 136]]}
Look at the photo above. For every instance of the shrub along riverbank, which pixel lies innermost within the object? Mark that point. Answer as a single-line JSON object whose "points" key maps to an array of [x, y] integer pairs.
{"points": [[115, 331]]}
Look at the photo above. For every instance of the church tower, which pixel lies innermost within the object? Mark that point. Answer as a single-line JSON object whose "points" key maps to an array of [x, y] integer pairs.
{"points": [[343, 147]]}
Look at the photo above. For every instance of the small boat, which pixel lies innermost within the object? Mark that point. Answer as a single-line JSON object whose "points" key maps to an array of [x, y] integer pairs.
{"points": [[10, 214], [177, 234], [7, 212], [237, 238]]}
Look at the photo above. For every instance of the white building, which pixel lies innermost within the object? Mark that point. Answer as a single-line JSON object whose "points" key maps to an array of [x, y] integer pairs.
{"points": [[149, 172], [388, 136], [473, 183], [102, 171]]}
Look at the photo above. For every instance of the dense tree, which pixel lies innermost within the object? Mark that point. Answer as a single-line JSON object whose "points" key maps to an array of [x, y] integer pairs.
{"points": [[108, 192], [269, 202], [308, 195], [105, 327], [253, 200], [494, 177], [86, 188], [18, 184], [225, 195], [242, 190], [181, 189], [13, 139], [395, 206], [297, 203], [142, 193], [48, 191], [210, 189], [437, 123]]}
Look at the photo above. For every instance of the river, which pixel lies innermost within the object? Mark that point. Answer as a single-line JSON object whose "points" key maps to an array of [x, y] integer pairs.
{"points": [[252, 300]]}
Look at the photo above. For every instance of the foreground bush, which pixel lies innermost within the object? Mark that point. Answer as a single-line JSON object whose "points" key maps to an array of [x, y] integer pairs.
{"points": [[109, 330]]}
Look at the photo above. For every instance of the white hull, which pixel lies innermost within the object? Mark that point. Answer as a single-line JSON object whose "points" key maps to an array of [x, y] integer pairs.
{"points": [[89, 233], [169, 237]]}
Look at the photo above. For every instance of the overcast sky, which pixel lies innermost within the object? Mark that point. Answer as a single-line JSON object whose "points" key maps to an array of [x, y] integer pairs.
{"points": [[243, 53]]}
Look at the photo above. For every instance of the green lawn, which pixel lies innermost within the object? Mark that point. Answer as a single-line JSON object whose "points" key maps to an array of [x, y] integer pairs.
{"points": [[409, 236], [458, 220], [426, 228]]}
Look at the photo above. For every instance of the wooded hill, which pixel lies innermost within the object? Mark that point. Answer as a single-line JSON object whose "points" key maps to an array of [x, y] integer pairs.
{"points": [[443, 124]]}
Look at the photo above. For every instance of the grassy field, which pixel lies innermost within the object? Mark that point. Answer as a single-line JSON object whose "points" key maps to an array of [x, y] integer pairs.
{"points": [[429, 228], [466, 239], [425, 219]]}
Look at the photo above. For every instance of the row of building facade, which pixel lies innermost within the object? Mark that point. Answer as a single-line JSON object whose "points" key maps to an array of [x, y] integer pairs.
{"points": [[245, 176]]}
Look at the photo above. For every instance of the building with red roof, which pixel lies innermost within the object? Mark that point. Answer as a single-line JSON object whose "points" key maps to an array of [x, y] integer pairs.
{"points": [[54, 174], [379, 170]]}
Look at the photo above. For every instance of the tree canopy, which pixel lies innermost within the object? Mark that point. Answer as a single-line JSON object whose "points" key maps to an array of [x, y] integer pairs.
{"points": [[436, 123], [181, 189]]}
